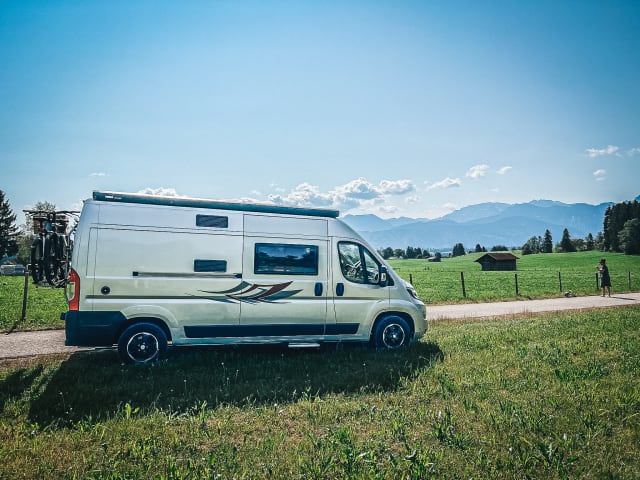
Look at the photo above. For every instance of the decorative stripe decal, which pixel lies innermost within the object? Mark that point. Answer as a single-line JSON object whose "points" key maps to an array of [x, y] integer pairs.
{"points": [[246, 292], [270, 330]]}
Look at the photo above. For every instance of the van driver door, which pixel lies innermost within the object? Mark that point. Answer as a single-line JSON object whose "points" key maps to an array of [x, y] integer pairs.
{"points": [[357, 293]]}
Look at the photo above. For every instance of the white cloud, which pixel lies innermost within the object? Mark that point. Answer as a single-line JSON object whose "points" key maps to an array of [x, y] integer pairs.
{"points": [[633, 151], [598, 152], [504, 170], [161, 191], [98, 174], [477, 171], [359, 188], [356, 193], [396, 187], [600, 175], [412, 199], [446, 183], [388, 210]]}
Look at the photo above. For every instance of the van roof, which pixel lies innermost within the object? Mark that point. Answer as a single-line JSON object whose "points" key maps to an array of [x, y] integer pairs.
{"points": [[144, 199]]}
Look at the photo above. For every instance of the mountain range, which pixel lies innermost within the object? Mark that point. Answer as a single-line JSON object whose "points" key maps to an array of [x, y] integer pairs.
{"points": [[487, 224]]}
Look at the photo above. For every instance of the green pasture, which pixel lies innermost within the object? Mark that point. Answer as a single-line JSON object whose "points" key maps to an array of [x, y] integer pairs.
{"points": [[538, 276], [436, 283], [538, 396], [44, 306]]}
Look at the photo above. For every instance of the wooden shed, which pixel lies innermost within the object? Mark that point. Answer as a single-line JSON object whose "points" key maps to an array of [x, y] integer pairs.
{"points": [[497, 261]]}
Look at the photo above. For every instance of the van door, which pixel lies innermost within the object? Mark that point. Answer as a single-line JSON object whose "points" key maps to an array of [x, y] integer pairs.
{"points": [[285, 287], [357, 294]]}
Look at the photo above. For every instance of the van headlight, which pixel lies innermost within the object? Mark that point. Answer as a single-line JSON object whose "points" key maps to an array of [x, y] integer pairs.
{"points": [[412, 292]]}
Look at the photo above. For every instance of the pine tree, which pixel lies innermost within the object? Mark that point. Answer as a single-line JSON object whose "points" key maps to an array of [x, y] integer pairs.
{"points": [[458, 250], [630, 237], [547, 242], [590, 243], [566, 245], [8, 229]]}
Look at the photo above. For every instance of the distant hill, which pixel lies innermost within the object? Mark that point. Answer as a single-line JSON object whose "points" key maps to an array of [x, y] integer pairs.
{"points": [[488, 224]]}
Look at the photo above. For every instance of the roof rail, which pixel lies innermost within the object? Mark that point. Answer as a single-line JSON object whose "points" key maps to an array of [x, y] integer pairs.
{"points": [[122, 197]]}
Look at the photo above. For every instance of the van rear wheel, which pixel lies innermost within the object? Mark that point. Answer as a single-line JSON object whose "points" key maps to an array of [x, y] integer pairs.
{"points": [[142, 343], [391, 333]]}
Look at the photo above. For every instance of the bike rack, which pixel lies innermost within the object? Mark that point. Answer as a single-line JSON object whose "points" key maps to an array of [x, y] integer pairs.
{"points": [[51, 246]]}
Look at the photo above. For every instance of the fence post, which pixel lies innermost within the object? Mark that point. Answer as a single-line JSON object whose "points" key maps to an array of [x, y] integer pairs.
{"points": [[629, 280], [560, 281], [517, 292], [411, 279], [24, 294], [464, 291]]}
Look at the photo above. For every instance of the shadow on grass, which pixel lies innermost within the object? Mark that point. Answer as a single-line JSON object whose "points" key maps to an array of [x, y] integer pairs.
{"points": [[96, 385], [17, 383]]}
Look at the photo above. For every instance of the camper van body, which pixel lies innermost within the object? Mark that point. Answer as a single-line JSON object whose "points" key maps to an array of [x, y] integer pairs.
{"points": [[194, 271]]}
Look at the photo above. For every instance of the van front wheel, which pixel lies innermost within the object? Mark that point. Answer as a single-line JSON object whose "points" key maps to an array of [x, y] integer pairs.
{"points": [[142, 343], [391, 333]]}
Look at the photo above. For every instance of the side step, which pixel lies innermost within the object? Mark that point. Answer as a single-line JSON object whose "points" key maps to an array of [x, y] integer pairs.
{"points": [[304, 345]]}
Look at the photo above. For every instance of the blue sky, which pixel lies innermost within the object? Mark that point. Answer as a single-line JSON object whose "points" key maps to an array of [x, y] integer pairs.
{"points": [[394, 108]]}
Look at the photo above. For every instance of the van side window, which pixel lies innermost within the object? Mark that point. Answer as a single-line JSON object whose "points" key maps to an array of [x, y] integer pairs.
{"points": [[352, 257], [215, 221], [286, 259], [209, 265]]}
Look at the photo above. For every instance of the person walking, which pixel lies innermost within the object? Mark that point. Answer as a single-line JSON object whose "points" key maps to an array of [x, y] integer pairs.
{"points": [[605, 279]]}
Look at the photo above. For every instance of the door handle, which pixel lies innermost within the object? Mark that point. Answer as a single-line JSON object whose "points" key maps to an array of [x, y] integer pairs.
{"points": [[318, 289], [340, 289]]}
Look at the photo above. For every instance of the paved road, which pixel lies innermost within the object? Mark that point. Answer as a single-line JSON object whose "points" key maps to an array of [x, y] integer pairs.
{"points": [[27, 344]]}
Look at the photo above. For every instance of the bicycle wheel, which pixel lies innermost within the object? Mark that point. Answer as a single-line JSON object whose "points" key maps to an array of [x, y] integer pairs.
{"points": [[50, 260], [35, 259]]}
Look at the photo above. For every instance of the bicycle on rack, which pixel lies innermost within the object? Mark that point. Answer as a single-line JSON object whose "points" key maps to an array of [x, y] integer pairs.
{"points": [[51, 248]]}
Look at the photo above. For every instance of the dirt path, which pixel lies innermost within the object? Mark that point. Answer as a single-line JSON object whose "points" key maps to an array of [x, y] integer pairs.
{"points": [[42, 342]]}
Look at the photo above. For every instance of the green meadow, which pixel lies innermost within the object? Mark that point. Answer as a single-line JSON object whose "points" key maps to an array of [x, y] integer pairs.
{"points": [[539, 396], [538, 276]]}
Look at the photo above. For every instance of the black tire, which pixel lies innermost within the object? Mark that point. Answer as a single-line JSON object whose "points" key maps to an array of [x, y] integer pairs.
{"points": [[142, 343], [391, 333], [51, 262], [35, 259]]}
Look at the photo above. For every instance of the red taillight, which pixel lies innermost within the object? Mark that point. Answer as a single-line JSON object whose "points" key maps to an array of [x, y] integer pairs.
{"points": [[73, 290]]}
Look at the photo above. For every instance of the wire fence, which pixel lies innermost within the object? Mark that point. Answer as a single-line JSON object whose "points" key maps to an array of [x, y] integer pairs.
{"points": [[442, 285]]}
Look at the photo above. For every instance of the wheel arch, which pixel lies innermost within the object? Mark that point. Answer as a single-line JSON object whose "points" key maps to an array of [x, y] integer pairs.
{"points": [[153, 320], [393, 313]]}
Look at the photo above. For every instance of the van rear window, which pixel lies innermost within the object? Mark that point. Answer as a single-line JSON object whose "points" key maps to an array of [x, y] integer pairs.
{"points": [[215, 221], [286, 259]]}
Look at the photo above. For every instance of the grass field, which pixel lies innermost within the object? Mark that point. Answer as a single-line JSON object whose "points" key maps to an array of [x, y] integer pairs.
{"points": [[436, 283], [44, 306], [548, 396], [538, 276]]}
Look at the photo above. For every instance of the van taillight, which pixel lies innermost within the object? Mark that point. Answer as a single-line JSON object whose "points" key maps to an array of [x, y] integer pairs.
{"points": [[73, 290]]}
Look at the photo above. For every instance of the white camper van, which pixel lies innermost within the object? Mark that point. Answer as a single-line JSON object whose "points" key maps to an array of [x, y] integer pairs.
{"points": [[148, 270]]}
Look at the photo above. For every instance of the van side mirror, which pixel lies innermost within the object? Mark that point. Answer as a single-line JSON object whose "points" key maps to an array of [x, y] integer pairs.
{"points": [[384, 277]]}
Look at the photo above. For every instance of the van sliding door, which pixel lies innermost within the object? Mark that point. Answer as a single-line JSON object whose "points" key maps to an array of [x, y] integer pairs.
{"points": [[286, 287]]}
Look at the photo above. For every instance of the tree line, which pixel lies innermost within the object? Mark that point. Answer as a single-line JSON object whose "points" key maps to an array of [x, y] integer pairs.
{"points": [[622, 228]]}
